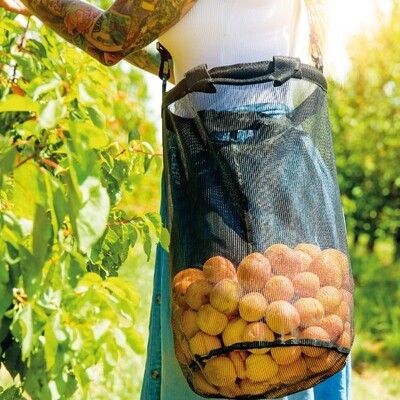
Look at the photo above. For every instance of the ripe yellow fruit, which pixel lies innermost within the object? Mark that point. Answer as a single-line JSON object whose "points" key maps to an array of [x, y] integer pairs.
{"points": [[305, 259], [179, 293], [260, 367], [252, 306], [230, 392], [282, 317], [344, 312], [189, 323], [294, 372], [201, 385], [284, 355], [198, 293], [347, 297], [220, 371], [330, 298], [310, 310], [306, 284], [218, 268], [322, 363], [182, 352], [311, 249], [189, 274], [225, 296], [238, 358], [278, 287], [333, 325], [233, 331], [210, 320], [344, 340], [201, 344], [341, 260], [284, 260], [253, 272], [326, 267], [251, 388], [258, 332], [314, 333]]}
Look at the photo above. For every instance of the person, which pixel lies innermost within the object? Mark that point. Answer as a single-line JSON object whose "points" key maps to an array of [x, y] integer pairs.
{"points": [[208, 32]]}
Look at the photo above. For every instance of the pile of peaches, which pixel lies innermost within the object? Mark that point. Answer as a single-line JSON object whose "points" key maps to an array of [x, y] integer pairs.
{"points": [[281, 295]]}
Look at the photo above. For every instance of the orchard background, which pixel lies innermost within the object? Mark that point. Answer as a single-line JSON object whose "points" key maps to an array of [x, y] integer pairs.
{"points": [[80, 168]]}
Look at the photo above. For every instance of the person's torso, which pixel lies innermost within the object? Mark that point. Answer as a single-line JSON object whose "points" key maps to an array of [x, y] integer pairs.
{"points": [[224, 32]]}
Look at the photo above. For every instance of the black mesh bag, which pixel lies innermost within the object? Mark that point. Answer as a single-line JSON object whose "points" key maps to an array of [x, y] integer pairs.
{"points": [[261, 284]]}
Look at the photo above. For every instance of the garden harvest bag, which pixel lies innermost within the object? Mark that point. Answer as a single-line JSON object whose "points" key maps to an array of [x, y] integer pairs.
{"points": [[261, 284]]}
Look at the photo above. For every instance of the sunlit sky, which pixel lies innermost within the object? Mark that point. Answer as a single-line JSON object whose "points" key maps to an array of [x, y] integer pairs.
{"points": [[348, 18]]}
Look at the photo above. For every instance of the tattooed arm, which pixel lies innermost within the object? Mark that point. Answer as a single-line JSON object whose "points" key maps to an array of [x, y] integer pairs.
{"points": [[126, 27]]}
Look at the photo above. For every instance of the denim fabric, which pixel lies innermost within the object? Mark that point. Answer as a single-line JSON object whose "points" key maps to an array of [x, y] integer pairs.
{"points": [[163, 379]]}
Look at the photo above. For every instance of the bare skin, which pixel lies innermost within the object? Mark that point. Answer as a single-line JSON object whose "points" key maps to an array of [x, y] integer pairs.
{"points": [[121, 31]]}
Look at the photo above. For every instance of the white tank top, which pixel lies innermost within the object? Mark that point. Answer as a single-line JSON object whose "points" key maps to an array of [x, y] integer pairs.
{"points": [[224, 32]]}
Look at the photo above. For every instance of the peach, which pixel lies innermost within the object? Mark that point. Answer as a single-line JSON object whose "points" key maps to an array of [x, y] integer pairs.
{"points": [[330, 298], [250, 388], [326, 267], [258, 332], [347, 297], [253, 272], [341, 260], [333, 325], [284, 355], [314, 333], [189, 274], [239, 361], [284, 260], [225, 296], [220, 371], [294, 372], [322, 363], [310, 310], [311, 249], [344, 340], [218, 268], [198, 293], [305, 259], [260, 367], [344, 312], [189, 323], [282, 317], [201, 344], [201, 385], [210, 320], [252, 306], [278, 287], [306, 284], [233, 331], [179, 293]]}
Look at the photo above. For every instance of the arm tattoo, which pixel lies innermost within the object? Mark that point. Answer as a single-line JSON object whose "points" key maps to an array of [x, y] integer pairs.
{"points": [[127, 26]]}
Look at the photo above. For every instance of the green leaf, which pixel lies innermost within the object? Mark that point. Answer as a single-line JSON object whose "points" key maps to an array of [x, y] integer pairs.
{"points": [[165, 239], [50, 113], [92, 216], [12, 393], [7, 160], [96, 116], [42, 237], [14, 102]]}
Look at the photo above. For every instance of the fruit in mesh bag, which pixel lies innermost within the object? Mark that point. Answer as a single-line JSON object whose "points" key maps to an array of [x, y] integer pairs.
{"points": [[258, 332], [278, 287], [189, 274], [198, 293], [294, 372], [330, 297], [306, 284], [220, 371], [286, 354], [314, 333], [327, 268], [252, 306], [200, 384], [225, 296], [253, 272], [282, 317], [310, 310], [189, 323], [260, 367], [238, 357], [284, 260], [210, 320], [233, 331], [333, 325], [182, 280], [322, 363], [201, 344], [249, 387], [311, 249], [218, 268]]}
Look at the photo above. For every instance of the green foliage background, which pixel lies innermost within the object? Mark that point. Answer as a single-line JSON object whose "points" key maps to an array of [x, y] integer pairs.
{"points": [[79, 189]]}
